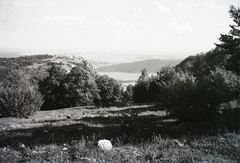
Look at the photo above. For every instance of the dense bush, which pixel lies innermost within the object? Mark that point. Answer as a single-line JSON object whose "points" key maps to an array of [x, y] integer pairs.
{"points": [[18, 96]]}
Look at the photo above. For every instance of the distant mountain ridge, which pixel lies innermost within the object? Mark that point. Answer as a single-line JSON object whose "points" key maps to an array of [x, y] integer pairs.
{"points": [[152, 65]]}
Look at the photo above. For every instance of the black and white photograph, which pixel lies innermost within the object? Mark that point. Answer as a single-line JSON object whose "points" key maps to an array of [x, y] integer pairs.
{"points": [[120, 81]]}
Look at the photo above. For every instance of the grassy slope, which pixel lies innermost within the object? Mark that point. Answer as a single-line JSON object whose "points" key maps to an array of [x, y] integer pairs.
{"points": [[150, 136]]}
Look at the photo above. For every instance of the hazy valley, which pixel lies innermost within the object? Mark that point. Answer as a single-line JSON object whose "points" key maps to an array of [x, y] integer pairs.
{"points": [[122, 66]]}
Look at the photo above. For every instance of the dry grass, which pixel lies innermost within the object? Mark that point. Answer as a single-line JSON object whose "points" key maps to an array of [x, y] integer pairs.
{"points": [[138, 134]]}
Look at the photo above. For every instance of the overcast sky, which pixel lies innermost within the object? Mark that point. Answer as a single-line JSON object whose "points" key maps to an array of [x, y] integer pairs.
{"points": [[184, 26]]}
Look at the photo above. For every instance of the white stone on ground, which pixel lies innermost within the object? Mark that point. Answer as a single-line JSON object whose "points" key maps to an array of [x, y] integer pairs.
{"points": [[105, 145]]}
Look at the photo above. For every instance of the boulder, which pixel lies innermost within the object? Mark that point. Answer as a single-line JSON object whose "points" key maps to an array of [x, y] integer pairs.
{"points": [[69, 117], [105, 145], [21, 145]]}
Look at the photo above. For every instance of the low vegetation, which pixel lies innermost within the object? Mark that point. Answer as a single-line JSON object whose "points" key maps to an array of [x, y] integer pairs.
{"points": [[18, 96]]}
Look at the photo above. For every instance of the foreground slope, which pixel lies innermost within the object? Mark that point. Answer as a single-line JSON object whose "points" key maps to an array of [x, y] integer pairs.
{"points": [[71, 135]]}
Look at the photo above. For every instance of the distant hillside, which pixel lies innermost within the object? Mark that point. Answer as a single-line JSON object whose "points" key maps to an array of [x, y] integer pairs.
{"points": [[38, 64], [203, 62], [152, 65]]}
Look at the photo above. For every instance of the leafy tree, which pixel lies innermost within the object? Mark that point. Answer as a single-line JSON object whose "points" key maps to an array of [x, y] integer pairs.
{"points": [[18, 96], [53, 88], [165, 81], [128, 94], [140, 90], [154, 91], [81, 87], [110, 91], [167, 76], [144, 75], [230, 43], [76, 88]]}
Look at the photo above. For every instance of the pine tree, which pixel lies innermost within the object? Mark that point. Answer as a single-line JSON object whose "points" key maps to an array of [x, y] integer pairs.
{"points": [[231, 48], [230, 43]]}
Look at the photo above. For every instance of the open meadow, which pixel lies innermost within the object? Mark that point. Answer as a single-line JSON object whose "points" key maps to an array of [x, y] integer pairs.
{"points": [[138, 134]]}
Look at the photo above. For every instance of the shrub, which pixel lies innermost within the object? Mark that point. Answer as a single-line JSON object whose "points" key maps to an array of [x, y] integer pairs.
{"points": [[18, 97], [190, 99]]}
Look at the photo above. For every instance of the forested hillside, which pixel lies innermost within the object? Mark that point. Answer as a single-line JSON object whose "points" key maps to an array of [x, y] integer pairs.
{"points": [[203, 63]]}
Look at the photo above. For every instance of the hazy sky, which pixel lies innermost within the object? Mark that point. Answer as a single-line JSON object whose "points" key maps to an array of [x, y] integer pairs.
{"points": [[184, 26]]}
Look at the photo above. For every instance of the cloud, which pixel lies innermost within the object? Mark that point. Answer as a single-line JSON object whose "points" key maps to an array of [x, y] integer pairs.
{"points": [[30, 3], [213, 6], [188, 5], [115, 25], [137, 9], [94, 25], [47, 17], [70, 18], [116, 22], [162, 7], [205, 5], [108, 24], [67, 20], [145, 25], [180, 28]]}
